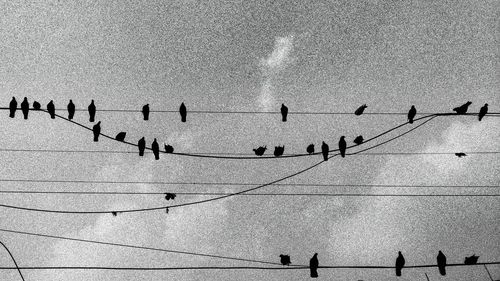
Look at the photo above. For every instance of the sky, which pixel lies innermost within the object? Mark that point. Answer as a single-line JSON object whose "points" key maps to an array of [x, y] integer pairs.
{"points": [[312, 56]]}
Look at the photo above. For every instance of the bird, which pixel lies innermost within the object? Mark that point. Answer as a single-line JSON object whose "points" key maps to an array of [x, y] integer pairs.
{"points": [[25, 107], [97, 130], [441, 262], [285, 259], [460, 154], [91, 109], [463, 108], [310, 148], [183, 112], [400, 263], [324, 151], [483, 111], [284, 112], [471, 260], [360, 109], [114, 214], [260, 150], [278, 150], [313, 266], [51, 109], [145, 112], [142, 146], [36, 105], [169, 148], [156, 149], [13, 107], [120, 136], [359, 140], [71, 109], [411, 114], [342, 146], [169, 196]]}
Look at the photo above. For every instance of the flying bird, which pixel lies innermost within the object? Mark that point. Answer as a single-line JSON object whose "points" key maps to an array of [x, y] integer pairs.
{"points": [[91, 109], [310, 148], [142, 146], [169, 148], [156, 149], [183, 112], [441, 262], [284, 112], [25, 107], [169, 196], [463, 108], [324, 151], [97, 131], [471, 260], [460, 154], [342, 146], [36, 105], [120, 136], [411, 114], [400, 263], [360, 109], [483, 111], [359, 140], [260, 150], [145, 112], [285, 259], [278, 150], [51, 109], [313, 266], [71, 109], [13, 107]]}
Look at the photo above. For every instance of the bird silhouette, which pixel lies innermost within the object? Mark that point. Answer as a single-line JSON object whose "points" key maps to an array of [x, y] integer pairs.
{"points": [[142, 146], [260, 150], [471, 260], [169, 196], [91, 109], [441, 262], [360, 109], [400, 263], [342, 146], [411, 114], [156, 149], [285, 259], [460, 154], [284, 112], [114, 214], [97, 131], [463, 108], [324, 151], [13, 107], [483, 111], [310, 148], [145, 112], [359, 140], [313, 266], [51, 109], [25, 107], [278, 150], [183, 112], [120, 136], [36, 105], [71, 109], [169, 148]]}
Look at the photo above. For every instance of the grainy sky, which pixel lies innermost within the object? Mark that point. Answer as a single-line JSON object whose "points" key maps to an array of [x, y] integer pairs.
{"points": [[314, 56]]}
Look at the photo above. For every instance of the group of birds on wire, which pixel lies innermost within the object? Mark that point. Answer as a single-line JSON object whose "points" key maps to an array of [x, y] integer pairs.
{"points": [[155, 147]]}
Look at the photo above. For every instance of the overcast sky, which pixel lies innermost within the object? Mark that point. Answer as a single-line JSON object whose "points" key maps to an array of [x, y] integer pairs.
{"points": [[313, 56]]}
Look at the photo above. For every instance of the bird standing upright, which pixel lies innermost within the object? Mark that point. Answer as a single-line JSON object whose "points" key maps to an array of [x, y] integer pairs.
{"points": [[483, 111], [342, 146], [25, 107], [400, 263], [51, 109], [145, 112], [91, 109], [71, 109], [278, 150], [324, 150], [441, 262], [183, 112], [313, 266], [12, 107], [360, 109], [142, 146], [284, 112], [411, 114], [156, 149], [310, 148], [97, 130]]}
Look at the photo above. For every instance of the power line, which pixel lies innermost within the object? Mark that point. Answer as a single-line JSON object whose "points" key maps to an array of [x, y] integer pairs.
{"points": [[14, 260]]}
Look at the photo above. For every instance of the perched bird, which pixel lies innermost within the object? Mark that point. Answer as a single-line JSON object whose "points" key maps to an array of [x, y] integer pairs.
{"points": [[460, 154], [483, 111], [285, 259], [25, 107], [463, 108], [313, 266], [411, 114], [97, 131], [114, 214], [284, 112], [142, 146], [471, 260], [169, 148], [156, 149], [120, 136], [13, 107], [91, 109], [36, 105], [342, 146], [400, 263], [71, 109], [324, 150], [145, 112], [310, 148], [260, 150], [359, 140], [169, 196], [51, 109], [441, 262], [183, 112], [360, 109], [278, 150]]}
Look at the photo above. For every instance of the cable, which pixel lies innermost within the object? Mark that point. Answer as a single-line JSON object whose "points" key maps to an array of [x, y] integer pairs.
{"points": [[14, 260]]}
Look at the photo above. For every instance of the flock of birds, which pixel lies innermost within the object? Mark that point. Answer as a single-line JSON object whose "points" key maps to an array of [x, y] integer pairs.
{"points": [[278, 150]]}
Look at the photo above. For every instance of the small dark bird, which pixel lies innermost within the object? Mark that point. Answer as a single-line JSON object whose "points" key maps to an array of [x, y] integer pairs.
{"points": [[411, 114], [260, 151], [142, 146], [36, 105], [463, 108], [483, 111], [120, 136], [183, 112], [400, 263], [278, 150], [342, 146], [324, 150], [145, 112], [25, 107], [310, 148], [51, 109], [13, 107], [284, 112], [441, 262], [360, 109], [285, 259], [169, 196], [313, 266], [460, 154], [156, 149], [114, 214], [169, 148], [166, 210], [71, 109], [97, 131], [91, 109], [471, 260], [359, 140]]}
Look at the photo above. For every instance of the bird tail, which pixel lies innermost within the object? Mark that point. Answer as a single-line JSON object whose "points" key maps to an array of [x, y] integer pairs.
{"points": [[398, 271], [96, 138], [314, 273], [442, 270], [410, 120]]}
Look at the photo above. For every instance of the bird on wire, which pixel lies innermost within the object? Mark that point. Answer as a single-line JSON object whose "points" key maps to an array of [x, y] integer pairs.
{"points": [[97, 131], [483, 111], [324, 151], [342, 146], [463, 108], [441, 262], [12, 107], [92, 110], [156, 149], [313, 266], [411, 114], [400, 263], [145, 112], [25, 108], [183, 112], [360, 110], [142, 146], [260, 150], [51, 109], [310, 148], [284, 112], [71, 109]]}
